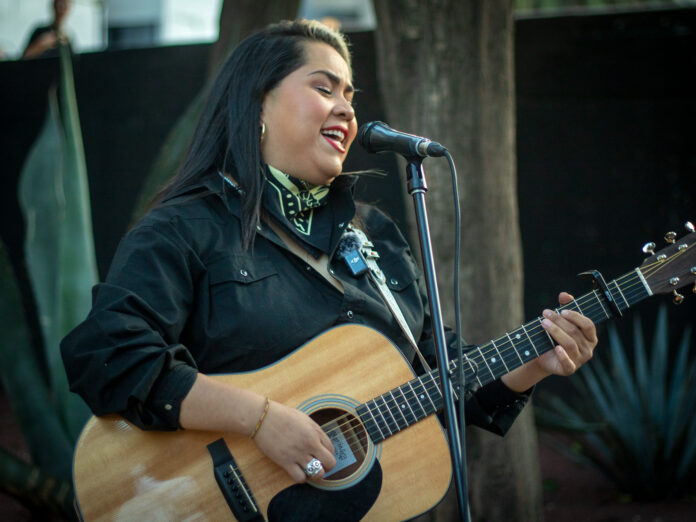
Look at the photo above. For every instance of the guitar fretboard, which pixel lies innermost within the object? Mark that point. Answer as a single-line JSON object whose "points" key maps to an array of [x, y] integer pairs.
{"points": [[405, 405]]}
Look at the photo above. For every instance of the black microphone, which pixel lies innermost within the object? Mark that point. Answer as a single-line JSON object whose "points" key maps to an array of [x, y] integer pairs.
{"points": [[376, 136]]}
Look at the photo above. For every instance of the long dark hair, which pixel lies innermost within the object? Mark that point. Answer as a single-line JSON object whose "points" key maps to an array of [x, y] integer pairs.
{"points": [[228, 134]]}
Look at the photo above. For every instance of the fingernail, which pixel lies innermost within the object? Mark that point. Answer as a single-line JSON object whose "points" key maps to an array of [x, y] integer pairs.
{"points": [[564, 312], [548, 313], [546, 322]]}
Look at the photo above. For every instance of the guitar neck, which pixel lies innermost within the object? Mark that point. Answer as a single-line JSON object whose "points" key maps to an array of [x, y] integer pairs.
{"points": [[405, 405]]}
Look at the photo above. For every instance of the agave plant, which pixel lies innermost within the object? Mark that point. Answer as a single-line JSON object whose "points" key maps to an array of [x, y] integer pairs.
{"points": [[61, 264], [634, 422]]}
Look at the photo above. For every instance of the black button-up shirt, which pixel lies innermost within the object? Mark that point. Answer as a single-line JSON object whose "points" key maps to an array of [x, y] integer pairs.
{"points": [[183, 295]]}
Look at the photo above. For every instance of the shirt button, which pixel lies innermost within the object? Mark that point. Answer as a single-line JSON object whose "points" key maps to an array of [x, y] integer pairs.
{"points": [[393, 281], [341, 225], [168, 407], [308, 268], [331, 271], [259, 228], [244, 272], [349, 314]]}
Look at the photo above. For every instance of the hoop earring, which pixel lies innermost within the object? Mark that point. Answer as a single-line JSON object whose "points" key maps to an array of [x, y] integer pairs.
{"points": [[263, 131]]}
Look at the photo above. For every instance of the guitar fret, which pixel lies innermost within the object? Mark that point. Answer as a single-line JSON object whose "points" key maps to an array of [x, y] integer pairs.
{"points": [[521, 340], [411, 401], [376, 422], [400, 407], [530, 340], [369, 422], [514, 348], [483, 358], [415, 396], [425, 390], [601, 303], [620, 293], [577, 305], [386, 407], [502, 359], [436, 388]]}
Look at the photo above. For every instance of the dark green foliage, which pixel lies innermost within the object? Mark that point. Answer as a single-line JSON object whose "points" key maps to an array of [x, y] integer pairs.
{"points": [[59, 253], [634, 422]]}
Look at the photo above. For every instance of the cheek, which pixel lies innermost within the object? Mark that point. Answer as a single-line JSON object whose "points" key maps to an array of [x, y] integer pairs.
{"points": [[352, 132]]}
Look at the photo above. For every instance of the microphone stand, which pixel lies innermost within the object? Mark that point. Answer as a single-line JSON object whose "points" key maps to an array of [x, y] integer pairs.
{"points": [[417, 188]]}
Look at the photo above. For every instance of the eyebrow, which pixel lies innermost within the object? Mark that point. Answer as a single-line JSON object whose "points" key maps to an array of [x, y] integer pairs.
{"points": [[333, 79]]}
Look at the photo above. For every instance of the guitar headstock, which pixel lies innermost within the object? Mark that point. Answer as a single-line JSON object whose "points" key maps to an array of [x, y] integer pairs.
{"points": [[673, 267]]}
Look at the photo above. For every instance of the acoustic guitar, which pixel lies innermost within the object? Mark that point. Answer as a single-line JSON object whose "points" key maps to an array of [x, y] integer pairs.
{"points": [[392, 454]]}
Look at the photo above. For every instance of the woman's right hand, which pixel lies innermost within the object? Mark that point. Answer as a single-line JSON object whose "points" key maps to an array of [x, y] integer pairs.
{"points": [[287, 436], [291, 439]]}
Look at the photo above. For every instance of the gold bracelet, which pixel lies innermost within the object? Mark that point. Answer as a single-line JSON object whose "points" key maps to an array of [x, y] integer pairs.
{"points": [[263, 416]]}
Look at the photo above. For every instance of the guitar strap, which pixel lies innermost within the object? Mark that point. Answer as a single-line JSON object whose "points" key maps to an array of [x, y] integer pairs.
{"points": [[370, 256]]}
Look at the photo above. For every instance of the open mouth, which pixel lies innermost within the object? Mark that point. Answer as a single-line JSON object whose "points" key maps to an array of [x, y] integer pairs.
{"points": [[335, 136]]}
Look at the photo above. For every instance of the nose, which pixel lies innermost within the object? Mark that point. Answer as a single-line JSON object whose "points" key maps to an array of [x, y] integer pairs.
{"points": [[345, 110]]}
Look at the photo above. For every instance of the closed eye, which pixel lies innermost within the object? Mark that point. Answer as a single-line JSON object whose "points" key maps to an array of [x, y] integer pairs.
{"points": [[323, 89]]}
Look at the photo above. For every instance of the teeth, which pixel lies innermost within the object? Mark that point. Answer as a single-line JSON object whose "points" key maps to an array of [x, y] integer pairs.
{"points": [[332, 132]]}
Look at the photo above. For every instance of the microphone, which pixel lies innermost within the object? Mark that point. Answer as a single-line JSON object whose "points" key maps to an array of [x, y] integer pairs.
{"points": [[376, 136]]}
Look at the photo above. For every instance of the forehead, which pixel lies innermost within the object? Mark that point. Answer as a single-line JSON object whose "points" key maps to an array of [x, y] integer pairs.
{"points": [[321, 56]]}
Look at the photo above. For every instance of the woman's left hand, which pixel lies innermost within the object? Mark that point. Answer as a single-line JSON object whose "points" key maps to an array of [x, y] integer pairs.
{"points": [[576, 336]]}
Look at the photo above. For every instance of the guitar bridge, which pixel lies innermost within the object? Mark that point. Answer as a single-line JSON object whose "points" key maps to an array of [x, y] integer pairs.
{"points": [[232, 484]]}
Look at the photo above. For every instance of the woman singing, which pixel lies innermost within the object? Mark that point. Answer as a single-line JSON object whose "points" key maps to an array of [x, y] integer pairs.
{"points": [[241, 261]]}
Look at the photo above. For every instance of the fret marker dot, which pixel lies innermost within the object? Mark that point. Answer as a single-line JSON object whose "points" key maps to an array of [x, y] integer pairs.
{"points": [[492, 359], [518, 336], [403, 406], [526, 352], [422, 396]]}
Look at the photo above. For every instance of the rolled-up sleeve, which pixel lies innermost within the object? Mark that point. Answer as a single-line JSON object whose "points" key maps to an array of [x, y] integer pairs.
{"points": [[126, 356]]}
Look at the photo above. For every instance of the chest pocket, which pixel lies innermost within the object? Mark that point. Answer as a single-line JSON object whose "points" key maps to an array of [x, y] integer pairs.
{"points": [[400, 273], [243, 269]]}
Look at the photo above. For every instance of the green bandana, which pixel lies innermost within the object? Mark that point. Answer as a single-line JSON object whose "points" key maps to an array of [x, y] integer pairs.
{"points": [[297, 199]]}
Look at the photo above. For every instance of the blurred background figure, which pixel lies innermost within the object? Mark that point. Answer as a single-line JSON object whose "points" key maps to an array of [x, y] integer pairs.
{"points": [[44, 40]]}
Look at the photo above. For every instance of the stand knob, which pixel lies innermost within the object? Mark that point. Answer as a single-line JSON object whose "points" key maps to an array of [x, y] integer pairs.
{"points": [[649, 248], [670, 237]]}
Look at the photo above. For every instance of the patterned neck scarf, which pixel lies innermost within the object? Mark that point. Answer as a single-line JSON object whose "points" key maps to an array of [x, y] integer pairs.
{"points": [[297, 199]]}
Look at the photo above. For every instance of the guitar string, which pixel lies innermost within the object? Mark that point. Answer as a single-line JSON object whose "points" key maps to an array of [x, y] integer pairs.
{"points": [[387, 401], [507, 344], [381, 415], [592, 297]]}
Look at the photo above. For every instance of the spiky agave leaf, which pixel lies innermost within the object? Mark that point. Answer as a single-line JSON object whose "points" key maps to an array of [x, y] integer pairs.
{"points": [[49, 445], [59, 247], [647, 445]]}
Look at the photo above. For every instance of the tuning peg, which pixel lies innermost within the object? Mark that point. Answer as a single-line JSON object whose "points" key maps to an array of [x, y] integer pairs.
{"points": [[678, 298], [649, 248], [689, 226], [670, 237], [693, 290]]}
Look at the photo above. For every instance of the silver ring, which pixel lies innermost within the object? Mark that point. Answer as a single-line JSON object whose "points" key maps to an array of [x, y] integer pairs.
{"points": [[313, 467]]}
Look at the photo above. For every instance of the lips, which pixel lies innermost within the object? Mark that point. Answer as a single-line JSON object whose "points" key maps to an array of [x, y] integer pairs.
{"points": [[335, 136]]}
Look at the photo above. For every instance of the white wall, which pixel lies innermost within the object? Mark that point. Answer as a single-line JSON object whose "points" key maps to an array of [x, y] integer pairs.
{"points": [[186, 21], [18, 18]]}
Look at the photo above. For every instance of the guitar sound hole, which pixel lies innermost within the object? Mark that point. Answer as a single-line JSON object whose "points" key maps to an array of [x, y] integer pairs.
{"points": [[349, 438]]}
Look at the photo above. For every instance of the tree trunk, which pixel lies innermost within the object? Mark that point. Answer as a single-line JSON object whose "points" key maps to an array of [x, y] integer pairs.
{"points": [[447, 72], [240, 18]]}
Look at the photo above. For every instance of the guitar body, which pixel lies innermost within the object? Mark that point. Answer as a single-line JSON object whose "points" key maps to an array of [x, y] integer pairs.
{"points": [[124, 473]]}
